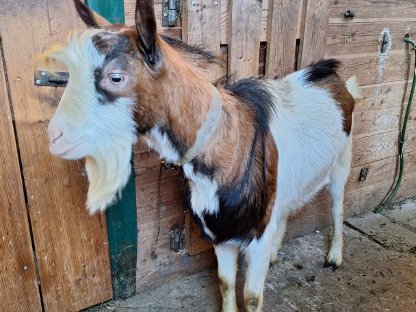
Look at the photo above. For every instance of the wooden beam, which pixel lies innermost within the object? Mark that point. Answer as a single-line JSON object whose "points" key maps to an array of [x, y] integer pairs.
{"points": [[18, 282], [284, 24], [314, 38], [200, 27], [245, 38]]}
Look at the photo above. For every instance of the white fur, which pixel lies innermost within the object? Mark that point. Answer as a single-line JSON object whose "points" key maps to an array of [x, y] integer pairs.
{"points": [[161, 144], [227, 271], [204, 198], [353, 87], [82, 127]]}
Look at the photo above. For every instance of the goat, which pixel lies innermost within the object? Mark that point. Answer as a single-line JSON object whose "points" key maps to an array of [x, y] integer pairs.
{"points": [[253, 151]]}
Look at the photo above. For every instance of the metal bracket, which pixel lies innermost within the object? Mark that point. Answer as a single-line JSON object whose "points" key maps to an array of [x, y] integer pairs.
{"points": [[363, 174], [51, 79], [177, 240], [171, 11]]}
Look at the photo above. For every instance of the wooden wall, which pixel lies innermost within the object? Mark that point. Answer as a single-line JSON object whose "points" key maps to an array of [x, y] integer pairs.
{"points": [[274, 38], [52, 253]]}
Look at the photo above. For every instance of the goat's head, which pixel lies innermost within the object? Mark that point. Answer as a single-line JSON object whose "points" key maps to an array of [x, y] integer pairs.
{"points": [[94, 118]]}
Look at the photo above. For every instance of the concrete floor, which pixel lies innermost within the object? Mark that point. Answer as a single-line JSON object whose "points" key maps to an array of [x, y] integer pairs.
{"points": [[378, 273]]}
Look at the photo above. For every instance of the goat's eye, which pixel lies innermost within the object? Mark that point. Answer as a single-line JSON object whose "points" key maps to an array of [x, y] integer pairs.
{"points": [[117, 78]]}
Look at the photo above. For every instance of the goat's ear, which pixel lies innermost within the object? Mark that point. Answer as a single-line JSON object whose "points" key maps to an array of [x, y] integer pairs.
{"points": [[86, 14], [146, 28]]}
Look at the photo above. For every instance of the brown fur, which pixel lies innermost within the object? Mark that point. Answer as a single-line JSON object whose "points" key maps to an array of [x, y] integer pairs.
{"points": [[344, 99]]}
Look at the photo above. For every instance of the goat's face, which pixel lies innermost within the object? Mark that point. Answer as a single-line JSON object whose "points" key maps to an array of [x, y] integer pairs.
{"points": [[94, 116]]}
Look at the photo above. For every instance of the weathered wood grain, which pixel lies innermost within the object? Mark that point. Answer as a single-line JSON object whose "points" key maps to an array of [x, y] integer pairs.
{"points": [[383, 95], [375, 122], [371, 68], [243, 51], [284, 16], [18, 282], [316, 25], [366, 10], [225, 34], [364, 37], [379, 146], [71, 247], [200, 27]]}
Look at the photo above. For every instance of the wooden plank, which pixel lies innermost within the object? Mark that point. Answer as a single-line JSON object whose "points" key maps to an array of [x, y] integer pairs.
{"points": [[130, 9], [371, 68], [200, 27], [245, 38], [383, 95], [365, 10], [284, 16], [18, 282], [355, 38], [316, 24], [379, 121], [160, 209], [226, 17], [71, 247], [380, 146]]}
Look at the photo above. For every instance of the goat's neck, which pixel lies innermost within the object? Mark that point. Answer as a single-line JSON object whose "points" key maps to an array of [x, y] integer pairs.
{"points": [[173, 107]]}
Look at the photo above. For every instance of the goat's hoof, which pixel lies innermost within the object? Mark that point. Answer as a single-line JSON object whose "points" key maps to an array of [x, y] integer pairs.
{"points": [[252, 304], [328, 264]]}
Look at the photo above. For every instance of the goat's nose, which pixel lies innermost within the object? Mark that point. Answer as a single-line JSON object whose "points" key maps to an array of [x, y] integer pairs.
{"points": [[54, 135]]}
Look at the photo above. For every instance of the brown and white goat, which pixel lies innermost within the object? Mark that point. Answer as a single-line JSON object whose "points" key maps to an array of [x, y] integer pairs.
{"points": [[253, 151]]}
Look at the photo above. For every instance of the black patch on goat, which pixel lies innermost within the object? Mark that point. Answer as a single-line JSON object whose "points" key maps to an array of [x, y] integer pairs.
{"points": [[322, 70], [191, 49], [113, 47], [243, 203]]}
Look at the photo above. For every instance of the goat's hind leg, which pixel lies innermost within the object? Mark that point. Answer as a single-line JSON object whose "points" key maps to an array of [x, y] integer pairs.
{"points": [[338, 178], [278, 238]]}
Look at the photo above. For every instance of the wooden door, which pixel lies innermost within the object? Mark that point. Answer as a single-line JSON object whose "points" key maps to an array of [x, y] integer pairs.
{"points": [[18, 282], [70, 247]]}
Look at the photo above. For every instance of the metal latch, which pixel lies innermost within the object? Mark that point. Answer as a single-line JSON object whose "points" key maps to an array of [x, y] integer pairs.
{"points": [[177, 240], [51, 79], [171, 11]]}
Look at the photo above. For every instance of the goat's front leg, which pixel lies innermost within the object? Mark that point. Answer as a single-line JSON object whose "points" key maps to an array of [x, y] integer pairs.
{"points": [[257, 255], [227, 269]]}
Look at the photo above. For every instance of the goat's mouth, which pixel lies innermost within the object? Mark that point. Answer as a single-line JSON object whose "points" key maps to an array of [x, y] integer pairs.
{"points": [[67, 151]]}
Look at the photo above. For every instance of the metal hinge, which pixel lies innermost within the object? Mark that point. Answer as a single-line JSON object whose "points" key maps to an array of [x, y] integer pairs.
{"points": [[171, 12], [177, 240], [51, 79]]}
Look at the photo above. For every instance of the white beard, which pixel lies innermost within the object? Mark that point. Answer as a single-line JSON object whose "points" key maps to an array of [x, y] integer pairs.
{"points": [[108, 173]]}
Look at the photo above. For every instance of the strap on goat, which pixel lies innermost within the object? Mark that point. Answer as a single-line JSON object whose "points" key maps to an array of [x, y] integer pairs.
{"points": [[207, 129]]}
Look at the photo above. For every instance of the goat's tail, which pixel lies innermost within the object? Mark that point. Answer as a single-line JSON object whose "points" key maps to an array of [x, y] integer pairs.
{"points": [[353, 87]]}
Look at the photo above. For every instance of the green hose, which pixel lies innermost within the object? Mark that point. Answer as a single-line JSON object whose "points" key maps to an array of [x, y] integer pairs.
{"points": [[402, 140]]}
